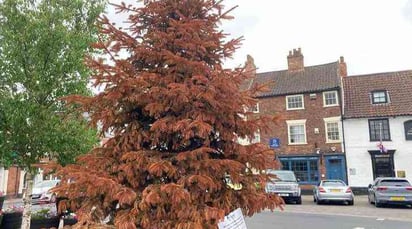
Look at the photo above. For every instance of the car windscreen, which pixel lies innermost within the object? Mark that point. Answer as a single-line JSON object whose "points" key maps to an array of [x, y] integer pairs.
{"points": [[394, 183], [43, 184], [333, 183], [284, 175]]}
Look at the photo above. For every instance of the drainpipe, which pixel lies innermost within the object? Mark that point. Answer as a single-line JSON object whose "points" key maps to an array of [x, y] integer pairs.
{"points": [[341, 107]]}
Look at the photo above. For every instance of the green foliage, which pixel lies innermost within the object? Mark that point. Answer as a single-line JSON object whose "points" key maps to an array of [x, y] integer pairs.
{"points": [[42, 48]]}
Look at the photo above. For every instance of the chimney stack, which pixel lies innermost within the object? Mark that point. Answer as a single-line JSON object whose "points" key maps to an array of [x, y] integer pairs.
{"points": [[295, 60], [250, 67], [342, 67]]}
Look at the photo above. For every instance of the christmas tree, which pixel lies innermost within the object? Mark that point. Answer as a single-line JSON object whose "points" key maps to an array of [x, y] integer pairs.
{"points": [[175, 117]]}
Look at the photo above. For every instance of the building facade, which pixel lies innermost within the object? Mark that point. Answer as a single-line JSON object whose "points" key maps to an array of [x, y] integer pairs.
{"points": [[378, 126], [307, 100]]}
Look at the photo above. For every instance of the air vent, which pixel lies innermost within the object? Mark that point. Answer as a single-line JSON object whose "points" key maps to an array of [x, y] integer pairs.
{"points": [[312, 96]]}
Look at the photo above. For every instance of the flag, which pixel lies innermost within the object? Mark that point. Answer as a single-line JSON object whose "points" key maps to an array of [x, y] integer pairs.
{"points": [[382, 148]]}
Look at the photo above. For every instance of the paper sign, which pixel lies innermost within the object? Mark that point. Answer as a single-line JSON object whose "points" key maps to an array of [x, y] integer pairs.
{"points": [[234, 220]]}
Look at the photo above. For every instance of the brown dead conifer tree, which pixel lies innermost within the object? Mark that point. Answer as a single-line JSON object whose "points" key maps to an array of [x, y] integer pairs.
{"points": [[176, 117]]}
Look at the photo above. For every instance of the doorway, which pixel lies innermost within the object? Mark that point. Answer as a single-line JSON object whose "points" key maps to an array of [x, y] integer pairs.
{"points": [[382, 163], [335, 167]]}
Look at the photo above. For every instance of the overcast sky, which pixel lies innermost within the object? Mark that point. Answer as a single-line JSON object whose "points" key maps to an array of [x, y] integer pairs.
{"points": [[373, 35]]}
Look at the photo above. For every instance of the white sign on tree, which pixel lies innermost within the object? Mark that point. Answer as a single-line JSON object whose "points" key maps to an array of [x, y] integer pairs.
{"points": [[234, 220]]}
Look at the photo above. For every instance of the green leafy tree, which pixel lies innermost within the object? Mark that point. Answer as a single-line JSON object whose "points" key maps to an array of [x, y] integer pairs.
{"points": [[176, 116], [42, 49]]}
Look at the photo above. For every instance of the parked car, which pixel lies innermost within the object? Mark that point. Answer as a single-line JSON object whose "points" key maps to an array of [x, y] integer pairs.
{"points": [[331, 191], [41, 191], [285, 185], [390, 190]]}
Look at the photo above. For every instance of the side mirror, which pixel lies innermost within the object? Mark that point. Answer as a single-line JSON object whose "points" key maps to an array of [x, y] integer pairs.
{"points": [[298, 179], [370, 186]]}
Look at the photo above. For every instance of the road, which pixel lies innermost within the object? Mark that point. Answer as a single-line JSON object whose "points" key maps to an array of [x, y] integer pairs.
{"points": [[336, 216], [285, 220], [361, 215]]}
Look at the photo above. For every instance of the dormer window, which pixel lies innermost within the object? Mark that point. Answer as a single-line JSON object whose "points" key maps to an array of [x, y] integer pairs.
{"points": [[379, 97]]}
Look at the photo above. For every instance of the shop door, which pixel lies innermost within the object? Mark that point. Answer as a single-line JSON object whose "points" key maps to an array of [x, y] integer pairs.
{"points": [[383, 165], [335, 168]]}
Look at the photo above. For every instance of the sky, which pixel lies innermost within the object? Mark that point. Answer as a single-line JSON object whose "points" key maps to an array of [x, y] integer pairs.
{"points": [[372, 35]]}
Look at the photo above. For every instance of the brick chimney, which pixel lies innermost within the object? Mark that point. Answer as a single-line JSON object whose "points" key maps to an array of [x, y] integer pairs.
{"points": [[250, 67], [342, 67], [295, 60]]}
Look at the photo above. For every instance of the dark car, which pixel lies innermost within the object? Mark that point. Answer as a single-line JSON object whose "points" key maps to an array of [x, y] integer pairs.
{"points": [[390, 190]]}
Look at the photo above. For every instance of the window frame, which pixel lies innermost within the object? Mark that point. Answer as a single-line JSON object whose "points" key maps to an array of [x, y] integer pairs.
{"points": [[385, 92], [336, 98], [333, 120], [407, 126], [302, 122], [286, 163], [256, 138], [383, 129], [255, 109], [295, 108]]}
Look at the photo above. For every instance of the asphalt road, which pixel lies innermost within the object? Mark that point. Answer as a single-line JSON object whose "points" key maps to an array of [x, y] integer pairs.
{"points": [[309, 215], [286, 220]]}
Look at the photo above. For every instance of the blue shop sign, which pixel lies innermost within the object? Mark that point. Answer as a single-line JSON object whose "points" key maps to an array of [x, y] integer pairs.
{"points": [[274, 143]]}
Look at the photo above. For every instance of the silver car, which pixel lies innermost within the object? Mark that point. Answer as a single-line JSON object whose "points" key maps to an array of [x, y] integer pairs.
{"points": [[41, 191], [332, 190], [390, 190], [285, 185]]}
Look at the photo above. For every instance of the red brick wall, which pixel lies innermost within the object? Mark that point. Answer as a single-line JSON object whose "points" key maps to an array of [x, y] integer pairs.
{"points": [[13, 181], [314, 113]]}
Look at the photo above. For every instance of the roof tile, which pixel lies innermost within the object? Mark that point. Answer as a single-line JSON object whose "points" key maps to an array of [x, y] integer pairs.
{"points": [[311, 79], [358, 90]]}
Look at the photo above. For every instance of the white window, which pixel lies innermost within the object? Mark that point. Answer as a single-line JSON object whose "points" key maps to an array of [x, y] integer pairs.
{"points": [[248, 141], [256, 139], [294, 102], [296, 131], [332, 129], [255, 108], [330, 98]]}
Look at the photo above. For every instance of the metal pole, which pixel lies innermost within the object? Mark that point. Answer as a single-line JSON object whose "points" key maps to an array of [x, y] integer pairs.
{"points": [[380, 137]]}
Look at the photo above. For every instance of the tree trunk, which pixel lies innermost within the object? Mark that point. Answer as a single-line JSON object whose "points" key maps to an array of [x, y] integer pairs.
{"points": [[25, 224]]}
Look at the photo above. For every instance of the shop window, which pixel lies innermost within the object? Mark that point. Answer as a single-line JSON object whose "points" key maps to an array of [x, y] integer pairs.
{"points": [[306, 169]]}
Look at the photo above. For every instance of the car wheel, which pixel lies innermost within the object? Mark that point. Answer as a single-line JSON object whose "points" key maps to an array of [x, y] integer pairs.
{"points": [[314, 199], [377, 204], [53, 199], [299, 201], [318, 202], [351, 202]]}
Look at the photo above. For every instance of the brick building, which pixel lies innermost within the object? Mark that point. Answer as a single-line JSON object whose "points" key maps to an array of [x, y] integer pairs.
{"points": [[308, 136]]}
